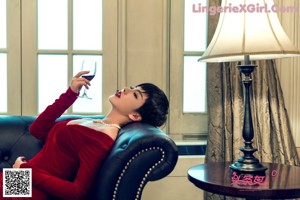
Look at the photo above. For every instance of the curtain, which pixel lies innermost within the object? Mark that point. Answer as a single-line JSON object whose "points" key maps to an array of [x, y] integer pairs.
{"points": [[272, 138]]}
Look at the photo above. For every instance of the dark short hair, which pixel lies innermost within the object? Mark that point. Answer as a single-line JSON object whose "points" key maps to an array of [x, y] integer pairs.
{"points": [[156, 107]]}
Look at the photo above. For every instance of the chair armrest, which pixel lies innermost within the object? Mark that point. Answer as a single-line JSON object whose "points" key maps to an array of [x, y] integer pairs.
{"points": [[140, 154]]}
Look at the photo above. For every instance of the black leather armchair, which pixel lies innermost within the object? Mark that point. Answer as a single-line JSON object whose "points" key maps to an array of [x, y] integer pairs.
{"points": [[140, 154]]}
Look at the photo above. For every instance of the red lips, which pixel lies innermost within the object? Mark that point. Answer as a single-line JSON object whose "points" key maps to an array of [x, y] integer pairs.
{"points": [[118, 94]]}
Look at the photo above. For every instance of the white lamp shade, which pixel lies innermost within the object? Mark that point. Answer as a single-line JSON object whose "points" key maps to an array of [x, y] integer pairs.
{"points": [[256, 32]]}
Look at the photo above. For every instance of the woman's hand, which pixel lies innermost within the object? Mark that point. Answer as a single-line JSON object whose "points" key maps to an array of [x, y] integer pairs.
{"points": [[20, 160], [77, 82]]}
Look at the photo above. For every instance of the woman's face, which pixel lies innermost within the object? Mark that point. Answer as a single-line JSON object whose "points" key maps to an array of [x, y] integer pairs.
{"points": [[128, 100]]}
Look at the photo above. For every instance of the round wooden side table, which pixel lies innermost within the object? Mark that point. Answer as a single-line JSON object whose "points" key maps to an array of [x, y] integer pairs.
{"points": [[279, 182]]}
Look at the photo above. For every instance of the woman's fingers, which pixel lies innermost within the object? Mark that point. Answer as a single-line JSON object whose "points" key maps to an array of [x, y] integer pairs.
{"points": [[81, 73], [19, 161], [77, 82]]}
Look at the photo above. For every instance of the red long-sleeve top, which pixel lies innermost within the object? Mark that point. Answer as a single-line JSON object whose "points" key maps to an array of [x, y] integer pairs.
{"points": [[71, 156]]}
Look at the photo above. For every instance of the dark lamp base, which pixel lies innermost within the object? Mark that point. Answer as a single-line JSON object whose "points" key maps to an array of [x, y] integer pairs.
{"points": [[249, 168]]}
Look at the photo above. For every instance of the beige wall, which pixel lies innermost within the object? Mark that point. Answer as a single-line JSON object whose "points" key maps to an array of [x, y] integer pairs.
{"points": [[142, 42], [176, 186]]}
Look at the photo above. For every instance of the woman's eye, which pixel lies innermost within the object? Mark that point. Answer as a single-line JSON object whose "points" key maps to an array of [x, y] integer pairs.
{"points": [[135, 95]]}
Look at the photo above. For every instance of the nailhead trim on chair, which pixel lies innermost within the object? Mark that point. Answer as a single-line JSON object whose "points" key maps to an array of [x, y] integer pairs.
{"points": [[146, 175]]}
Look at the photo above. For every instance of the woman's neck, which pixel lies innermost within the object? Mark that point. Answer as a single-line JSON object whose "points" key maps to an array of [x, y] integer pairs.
{"points": [[114, 117]]}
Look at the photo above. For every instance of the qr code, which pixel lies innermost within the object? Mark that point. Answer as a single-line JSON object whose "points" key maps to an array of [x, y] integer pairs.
{"points": [[17, 182]]}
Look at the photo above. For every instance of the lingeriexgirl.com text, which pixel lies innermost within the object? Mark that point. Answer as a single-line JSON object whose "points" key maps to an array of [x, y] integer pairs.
{"points": [[243, 8]]}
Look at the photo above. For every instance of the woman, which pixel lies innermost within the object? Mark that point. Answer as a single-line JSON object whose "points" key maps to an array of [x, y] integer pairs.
{"points": [[74, 149]]}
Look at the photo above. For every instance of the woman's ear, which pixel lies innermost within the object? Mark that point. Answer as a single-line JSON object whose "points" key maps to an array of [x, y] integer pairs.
{"points": [[135, 117]]}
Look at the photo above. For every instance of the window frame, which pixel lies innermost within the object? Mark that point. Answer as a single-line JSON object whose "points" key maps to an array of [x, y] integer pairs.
{"points": [[182, 126], [13, 52], [30, 54]]}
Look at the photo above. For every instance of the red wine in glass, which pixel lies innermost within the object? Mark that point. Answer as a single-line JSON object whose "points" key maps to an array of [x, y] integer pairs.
{"points": [[91, 66], [88, 77]]}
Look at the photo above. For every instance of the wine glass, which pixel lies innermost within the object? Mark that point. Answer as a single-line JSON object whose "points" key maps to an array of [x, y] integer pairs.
{"points": [[91, 66]]}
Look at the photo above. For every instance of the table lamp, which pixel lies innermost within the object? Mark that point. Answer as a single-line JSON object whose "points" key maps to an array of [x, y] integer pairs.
{"points": [[248, 30]]}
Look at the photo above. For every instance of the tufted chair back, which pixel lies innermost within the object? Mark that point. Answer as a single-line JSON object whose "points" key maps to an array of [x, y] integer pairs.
{"points": [[140, 154]]}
